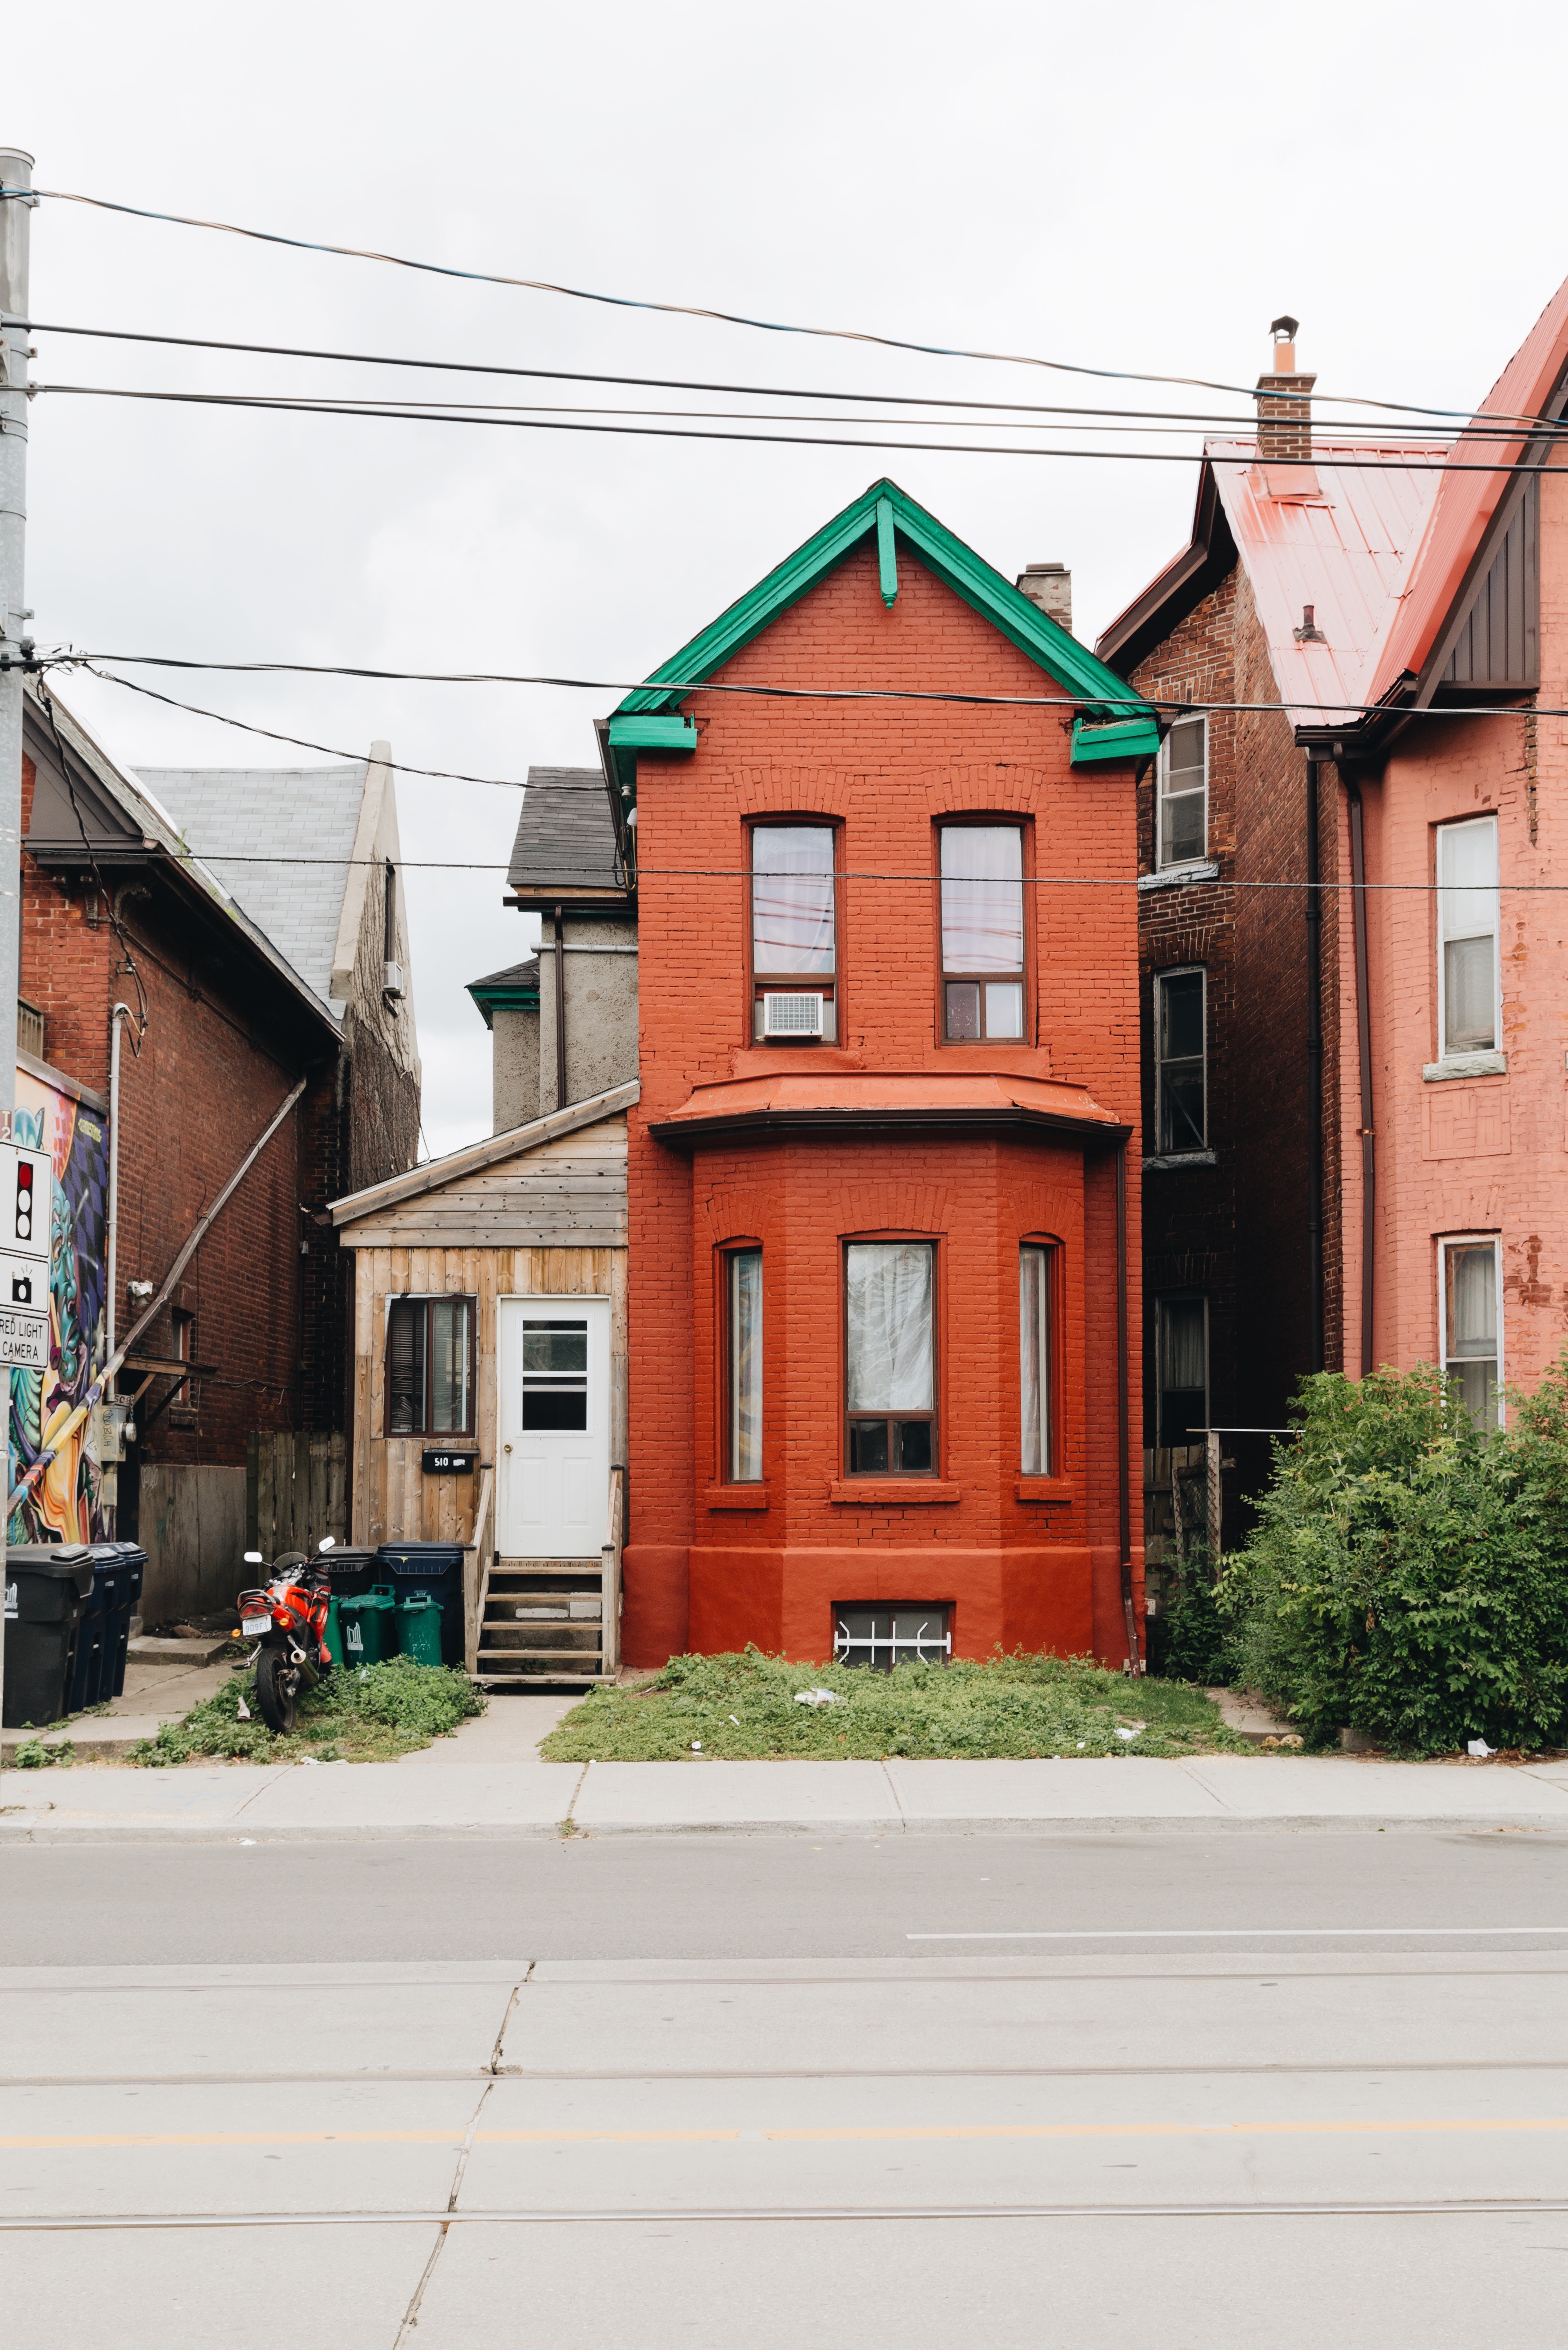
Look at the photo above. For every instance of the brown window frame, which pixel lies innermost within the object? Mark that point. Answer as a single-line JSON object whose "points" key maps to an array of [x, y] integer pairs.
{"points": [[427, 1298], [829, 985], [891, 1421], [986, 820]]}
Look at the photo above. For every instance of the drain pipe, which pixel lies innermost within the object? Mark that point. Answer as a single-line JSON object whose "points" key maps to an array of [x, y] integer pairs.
{"points": [[560, 1012], [1314, 1073], [120, 1012], [1363, 1048], [1124, 1460]]}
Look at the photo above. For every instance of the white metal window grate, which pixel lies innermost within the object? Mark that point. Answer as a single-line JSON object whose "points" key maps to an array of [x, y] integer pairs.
{"points": [[881, 1637], [791, 1016]]}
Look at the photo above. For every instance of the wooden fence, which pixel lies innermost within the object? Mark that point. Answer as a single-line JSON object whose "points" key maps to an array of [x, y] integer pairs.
{"points": [[296, 1490]]}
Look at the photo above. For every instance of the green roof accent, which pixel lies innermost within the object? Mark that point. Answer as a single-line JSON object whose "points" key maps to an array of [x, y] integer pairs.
{"points": [[1124, 738], [504, 991], [677, 734], [886, 510]]}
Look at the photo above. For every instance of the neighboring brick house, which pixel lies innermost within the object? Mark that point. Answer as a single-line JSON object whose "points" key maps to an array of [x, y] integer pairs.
{"points": [[120, 907], [1368, 1169], [889, 1067]]}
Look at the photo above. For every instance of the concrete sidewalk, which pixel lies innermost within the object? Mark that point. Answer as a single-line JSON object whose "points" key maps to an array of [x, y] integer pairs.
{"points": [[511, 1795]]}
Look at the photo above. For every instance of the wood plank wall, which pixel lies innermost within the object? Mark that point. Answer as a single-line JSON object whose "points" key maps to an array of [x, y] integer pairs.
{"points": [[393, 1498]]}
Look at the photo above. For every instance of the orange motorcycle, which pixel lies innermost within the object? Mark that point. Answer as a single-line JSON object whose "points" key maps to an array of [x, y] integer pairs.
{"points": [[287, 1616]]}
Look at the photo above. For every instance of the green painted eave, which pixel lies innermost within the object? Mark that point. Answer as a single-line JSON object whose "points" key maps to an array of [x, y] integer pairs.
{"points": [[492, 999], [653, 734], [1123, 738], [885, 512]]}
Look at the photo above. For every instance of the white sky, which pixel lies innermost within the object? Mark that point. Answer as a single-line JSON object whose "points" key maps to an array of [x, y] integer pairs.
{"points": [[1137, 187]]}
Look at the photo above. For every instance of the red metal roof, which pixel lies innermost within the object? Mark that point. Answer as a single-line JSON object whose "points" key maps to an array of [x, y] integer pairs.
{"points": [[1465, 502], [1344, 541]]}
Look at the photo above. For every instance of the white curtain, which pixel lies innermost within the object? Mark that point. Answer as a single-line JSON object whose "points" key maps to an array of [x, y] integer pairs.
{"points": [[792, 898], [890, 1326], [1034, 1358], [982, 897]]}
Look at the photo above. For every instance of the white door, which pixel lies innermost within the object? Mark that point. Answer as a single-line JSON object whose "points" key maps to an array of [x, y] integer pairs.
{"points": [[553, 1488]]}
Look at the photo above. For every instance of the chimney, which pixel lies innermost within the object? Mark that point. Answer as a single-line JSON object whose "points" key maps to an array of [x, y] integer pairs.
{"points": [[1050, 585], [1284, 403]]}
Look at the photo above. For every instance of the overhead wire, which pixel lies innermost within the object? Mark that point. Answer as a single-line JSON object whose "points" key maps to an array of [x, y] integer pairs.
{"points": [[287, 404], [694, 311]]}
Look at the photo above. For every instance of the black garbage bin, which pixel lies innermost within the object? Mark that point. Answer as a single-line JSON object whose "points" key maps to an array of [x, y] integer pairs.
{"points": [[127, 1595], [349, 1572], [46, 1585], [95, 1632], [436, 1569]]}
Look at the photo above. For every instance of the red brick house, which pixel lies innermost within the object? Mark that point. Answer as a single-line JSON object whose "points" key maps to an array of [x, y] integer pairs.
{"points": [[121, 905], [883, 1301], [1354, 1092]]}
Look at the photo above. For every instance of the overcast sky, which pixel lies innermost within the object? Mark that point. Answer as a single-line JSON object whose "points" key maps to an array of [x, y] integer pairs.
{"points": [[1142, 187]]}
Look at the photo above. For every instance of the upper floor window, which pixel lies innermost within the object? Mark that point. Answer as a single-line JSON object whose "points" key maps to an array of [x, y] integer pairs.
{"points": [[1467, 974], [1182, 1118], [430, 1367], [1181, 1357], [794, 947], [982, 932], [1182, 815], [890, 1358]]}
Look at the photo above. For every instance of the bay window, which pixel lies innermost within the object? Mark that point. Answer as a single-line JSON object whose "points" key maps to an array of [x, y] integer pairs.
{"points": [[890, 1371], [743, 1356], [1036, 1263], [982, 932]]}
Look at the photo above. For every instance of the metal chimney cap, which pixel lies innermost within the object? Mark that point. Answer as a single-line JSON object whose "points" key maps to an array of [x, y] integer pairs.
{"points": [[1283, 330]]}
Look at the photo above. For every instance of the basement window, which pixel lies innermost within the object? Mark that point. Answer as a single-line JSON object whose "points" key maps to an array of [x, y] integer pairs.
{"points": [[881, 1637], [430, 1366]]}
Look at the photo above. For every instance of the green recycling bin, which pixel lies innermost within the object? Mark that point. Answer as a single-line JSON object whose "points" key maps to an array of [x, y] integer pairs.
{"points": [[418, 1628], [333, 1635], [369, 1625]]}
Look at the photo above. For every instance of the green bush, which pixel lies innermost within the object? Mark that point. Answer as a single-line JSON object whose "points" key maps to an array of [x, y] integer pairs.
{"points": [[1409, 1575], [1190, 1640]]}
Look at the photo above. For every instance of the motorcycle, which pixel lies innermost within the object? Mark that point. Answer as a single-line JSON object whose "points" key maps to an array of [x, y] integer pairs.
{"points": [[287, 1616]]}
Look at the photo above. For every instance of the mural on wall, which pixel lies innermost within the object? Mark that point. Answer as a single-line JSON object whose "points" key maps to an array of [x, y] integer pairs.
{"points": [[65, 1505]]}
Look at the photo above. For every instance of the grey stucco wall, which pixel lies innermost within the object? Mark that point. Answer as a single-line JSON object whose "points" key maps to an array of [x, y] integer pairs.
{"points": [[514, 1067], [601, 1008]]}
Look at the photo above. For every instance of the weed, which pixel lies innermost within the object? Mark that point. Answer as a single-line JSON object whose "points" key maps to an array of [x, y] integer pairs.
{"points": [[370, 1714]]}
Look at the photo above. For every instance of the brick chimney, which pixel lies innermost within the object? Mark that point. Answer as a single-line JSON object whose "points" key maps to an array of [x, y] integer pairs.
{"points": [[1284, 403], [1050, 585]]}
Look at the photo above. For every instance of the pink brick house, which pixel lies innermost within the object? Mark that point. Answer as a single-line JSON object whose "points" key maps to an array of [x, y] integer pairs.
{"points": [[1360, 1151]]}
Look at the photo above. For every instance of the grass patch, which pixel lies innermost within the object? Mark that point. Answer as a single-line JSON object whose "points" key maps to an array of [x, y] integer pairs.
{"points": [[372, 1715], [742, 1706]]}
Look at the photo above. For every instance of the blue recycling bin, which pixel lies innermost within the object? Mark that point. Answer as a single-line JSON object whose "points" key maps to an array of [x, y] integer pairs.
{"points": [[435, 1569]]}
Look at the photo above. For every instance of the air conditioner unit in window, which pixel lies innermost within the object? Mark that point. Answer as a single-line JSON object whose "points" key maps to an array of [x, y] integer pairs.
{"points": [[791, 1016]]}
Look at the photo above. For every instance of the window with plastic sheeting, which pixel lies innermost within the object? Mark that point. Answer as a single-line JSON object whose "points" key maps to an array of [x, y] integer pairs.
{"points": [[1183, 801], [743, 1355], [430, 1367], [1036, 1308], [889, 1357], [1468, 977], [982, 932], [1472, 1315]]}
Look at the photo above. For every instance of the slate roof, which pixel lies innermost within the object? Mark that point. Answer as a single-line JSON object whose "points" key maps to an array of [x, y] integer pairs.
{"points": [[232, 815], [505, 987], [566, 839]]}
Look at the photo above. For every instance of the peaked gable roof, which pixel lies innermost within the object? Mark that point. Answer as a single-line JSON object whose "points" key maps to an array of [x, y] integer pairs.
{"points": [[1461, 532], [888, 513], [475, 1157]]}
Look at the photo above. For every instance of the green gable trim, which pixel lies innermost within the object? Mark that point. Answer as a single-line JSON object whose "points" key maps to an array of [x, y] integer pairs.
{"points": [[651, 734], [887, 552], [492, 999], [1124, 738], [884, 508]]}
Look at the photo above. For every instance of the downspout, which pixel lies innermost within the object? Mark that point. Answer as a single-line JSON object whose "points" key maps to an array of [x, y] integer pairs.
{"points": [[1124, 1459], [560, 1012], [1363, 1047], [120, 1012], [1314, 1074]]}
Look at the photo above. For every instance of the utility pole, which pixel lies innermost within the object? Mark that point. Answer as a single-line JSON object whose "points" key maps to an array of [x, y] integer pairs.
{"points": [[15, 222]]}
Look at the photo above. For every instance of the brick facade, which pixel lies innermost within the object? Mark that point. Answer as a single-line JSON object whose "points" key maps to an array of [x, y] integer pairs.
{"points": [[715, 1567]]}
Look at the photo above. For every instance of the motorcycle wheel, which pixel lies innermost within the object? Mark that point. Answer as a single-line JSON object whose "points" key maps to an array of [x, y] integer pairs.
{"points": [[277, 1686]]}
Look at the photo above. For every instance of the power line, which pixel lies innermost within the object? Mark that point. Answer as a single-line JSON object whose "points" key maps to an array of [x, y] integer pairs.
{"points": [[692, 310], [284, 404]]}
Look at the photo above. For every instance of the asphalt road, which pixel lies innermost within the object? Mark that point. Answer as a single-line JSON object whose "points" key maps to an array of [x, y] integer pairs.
{"points": [[1297, 2090]]}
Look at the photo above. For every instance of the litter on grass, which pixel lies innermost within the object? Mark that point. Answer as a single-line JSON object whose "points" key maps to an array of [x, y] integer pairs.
{"points": [[1479, 1749], [815, 1697]]}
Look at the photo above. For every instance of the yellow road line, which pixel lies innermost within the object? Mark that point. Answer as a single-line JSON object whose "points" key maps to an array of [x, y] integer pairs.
{"points": [[934, 2131]]}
